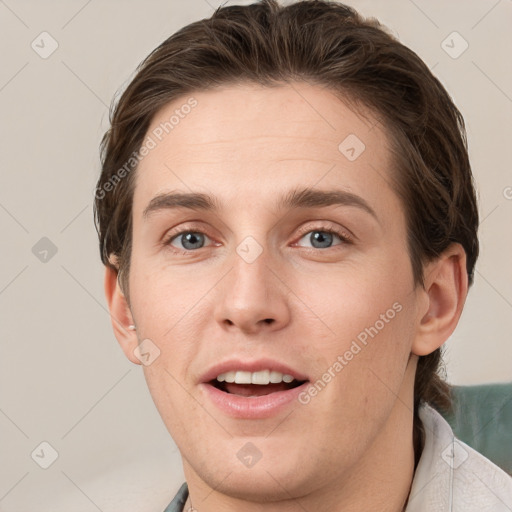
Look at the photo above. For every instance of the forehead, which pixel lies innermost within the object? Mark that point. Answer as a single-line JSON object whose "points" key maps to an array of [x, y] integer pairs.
{"points": [[257, 139]]}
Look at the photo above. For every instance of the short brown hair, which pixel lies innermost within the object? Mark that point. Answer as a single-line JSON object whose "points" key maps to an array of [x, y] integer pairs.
{"points": [[329, 44]]}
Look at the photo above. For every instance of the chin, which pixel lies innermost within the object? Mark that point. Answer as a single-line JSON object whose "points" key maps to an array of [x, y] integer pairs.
{"points": [[282, 474], [262, 485]]}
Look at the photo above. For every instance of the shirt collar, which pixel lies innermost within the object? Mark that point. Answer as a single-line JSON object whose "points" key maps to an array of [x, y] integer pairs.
{"points": [[453, 477]]}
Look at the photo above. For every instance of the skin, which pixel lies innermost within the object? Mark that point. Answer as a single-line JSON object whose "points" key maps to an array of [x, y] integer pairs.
{"points": [[350, 448]]}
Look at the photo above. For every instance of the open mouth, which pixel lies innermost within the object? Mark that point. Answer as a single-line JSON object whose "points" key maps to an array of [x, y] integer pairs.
{"points": [[254, 390]]}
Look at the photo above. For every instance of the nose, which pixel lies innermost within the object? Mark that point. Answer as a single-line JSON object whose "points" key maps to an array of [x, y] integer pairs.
{"points": [[252, 297]]}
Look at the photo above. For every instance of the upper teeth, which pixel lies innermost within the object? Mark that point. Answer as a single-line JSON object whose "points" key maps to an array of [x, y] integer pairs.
{"points": [[262, 377]]}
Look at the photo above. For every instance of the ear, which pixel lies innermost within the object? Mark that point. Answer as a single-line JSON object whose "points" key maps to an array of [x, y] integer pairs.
{"points": [[120, 315], [444, 294]]}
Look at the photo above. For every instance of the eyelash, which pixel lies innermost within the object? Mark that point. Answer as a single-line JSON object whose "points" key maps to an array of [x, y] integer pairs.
{"points": [[343, 235]]}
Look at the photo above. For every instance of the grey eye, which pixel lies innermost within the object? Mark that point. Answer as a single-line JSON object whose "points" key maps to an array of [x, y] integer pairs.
{"points": [[320, 239], [190, 240]]}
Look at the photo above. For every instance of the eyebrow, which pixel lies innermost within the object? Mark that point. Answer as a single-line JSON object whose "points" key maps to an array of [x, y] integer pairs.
{"points": [[293, 199]]}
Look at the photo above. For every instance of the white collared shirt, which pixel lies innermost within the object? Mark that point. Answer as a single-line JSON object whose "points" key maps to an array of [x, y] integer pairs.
{"points": [[453, 477]]}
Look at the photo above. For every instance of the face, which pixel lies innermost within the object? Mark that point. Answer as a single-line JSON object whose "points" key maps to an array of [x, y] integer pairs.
{"points": [[292, 263]]}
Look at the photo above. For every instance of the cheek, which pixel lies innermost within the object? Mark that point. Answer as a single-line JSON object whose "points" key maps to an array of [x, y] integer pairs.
{"points": [[170, 313], [171, 397], [163, 297], [366, 317], [354, 299]]}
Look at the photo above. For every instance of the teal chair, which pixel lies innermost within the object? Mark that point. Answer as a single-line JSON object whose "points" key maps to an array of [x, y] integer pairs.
{"points": [[482, 418]]}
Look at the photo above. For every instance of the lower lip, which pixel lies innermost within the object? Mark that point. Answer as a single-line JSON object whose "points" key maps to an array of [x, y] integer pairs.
{"points": [[256, 407]]}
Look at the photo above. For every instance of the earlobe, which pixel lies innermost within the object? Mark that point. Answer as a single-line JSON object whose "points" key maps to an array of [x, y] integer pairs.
{"points": [[120, 315], [446, 287]]}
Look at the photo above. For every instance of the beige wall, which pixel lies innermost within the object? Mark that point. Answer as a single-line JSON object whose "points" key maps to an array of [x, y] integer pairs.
{"points": [[63, 378]]}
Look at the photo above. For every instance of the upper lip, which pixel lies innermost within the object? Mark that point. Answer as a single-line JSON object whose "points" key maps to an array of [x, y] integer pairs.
{"points": [[250, 366]]}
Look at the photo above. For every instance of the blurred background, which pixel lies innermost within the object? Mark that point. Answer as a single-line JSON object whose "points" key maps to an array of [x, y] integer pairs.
{"points": [[79, 430]]}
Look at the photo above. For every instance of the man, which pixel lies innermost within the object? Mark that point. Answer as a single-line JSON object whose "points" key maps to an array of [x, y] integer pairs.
{"points": [[288, 221]]}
